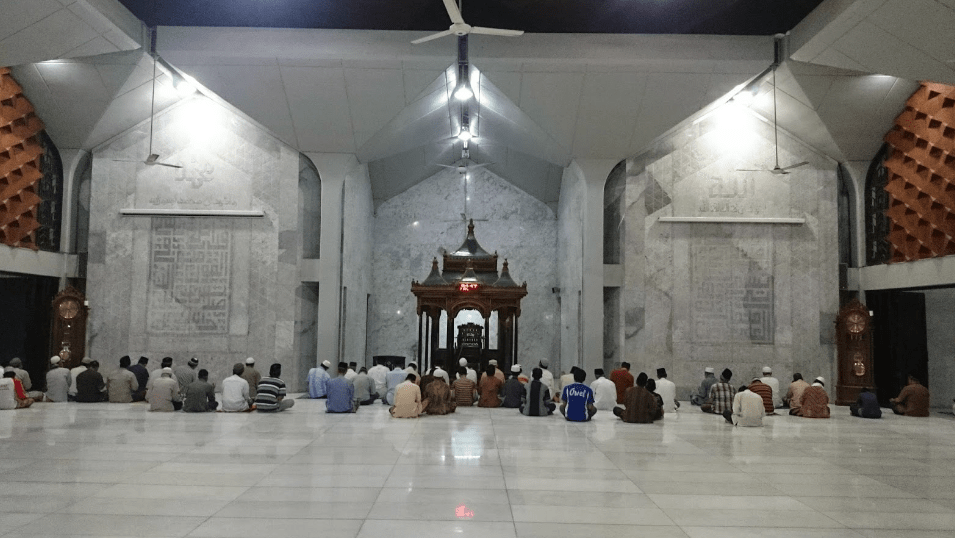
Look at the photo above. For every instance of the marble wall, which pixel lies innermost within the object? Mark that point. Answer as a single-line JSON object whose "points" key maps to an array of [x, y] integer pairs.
{"points": [[729, 295], [570, 271], [358, 211], [218, 288], [420, 223], [940, 326]]}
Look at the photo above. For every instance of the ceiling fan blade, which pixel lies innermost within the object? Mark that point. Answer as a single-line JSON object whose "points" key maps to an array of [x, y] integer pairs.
{"points": [[165, 164], [797, 165], [126, 161], [482, 165], [496, 31], [432, 36], [453, 11], [752, 170]]}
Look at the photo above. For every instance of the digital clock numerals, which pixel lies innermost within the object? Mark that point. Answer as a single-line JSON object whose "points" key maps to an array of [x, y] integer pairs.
{"points": [[468, 286]]}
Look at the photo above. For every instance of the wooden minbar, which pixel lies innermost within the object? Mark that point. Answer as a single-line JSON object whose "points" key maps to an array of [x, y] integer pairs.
{"points": [[468, 280], [854, 350]]}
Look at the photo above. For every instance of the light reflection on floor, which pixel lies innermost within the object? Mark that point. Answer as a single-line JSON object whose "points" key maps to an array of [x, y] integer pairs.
{"points": [[117, 470]]}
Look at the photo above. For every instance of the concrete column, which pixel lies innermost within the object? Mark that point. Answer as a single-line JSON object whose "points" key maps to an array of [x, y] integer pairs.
{"points": [[594, 173], [333, 168]]}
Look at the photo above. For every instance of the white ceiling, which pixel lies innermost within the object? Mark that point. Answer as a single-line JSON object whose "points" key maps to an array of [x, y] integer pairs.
{"points": [[544, 99]]}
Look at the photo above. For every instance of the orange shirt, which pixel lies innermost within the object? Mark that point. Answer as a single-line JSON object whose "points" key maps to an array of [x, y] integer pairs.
{"points": [[623, 380]]}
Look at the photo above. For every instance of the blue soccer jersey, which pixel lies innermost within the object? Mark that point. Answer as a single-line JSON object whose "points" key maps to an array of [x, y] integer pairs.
{"points": [[577, 396]]}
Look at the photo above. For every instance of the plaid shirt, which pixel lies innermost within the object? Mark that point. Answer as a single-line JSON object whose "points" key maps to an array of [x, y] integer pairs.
{"points": [[721, 396]]}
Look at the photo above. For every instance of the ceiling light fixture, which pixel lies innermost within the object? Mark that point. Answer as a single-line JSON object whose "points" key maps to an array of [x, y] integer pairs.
{"points": [[465, 134], [463, 90]]}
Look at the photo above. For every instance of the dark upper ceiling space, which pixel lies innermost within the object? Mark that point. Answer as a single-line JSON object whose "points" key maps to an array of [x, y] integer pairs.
{"points": [[723, 17]]}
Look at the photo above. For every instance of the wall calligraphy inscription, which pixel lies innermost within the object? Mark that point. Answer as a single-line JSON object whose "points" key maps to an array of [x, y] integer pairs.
{"points": [[189, 287], [732, 284]]}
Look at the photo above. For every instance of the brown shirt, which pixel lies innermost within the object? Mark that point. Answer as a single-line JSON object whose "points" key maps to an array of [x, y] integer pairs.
{"points": [[642, 406], [489, 389], [794, 394], [464, 391], [253, 376], [438, 396], [765, 392], [815, 403], [913, 401]]}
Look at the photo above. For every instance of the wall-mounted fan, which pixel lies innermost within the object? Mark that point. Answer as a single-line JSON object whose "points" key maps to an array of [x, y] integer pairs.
{"points": [[778, 170], [459, 27], [152, 159]]}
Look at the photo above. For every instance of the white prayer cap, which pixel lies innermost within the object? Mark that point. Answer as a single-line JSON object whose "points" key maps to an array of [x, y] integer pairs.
{"points": [[820, 379], [326, 364], [250, 360], [708, 370], [516, 368], [544, 363], [463, 362], [86, 360], [167, 371], [767, 370], [492, 362], [8, 369], [54, 359]]}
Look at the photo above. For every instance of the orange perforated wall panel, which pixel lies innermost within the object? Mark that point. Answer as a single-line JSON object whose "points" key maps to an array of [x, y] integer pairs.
{"points": [[921, 170], [20, 164]]}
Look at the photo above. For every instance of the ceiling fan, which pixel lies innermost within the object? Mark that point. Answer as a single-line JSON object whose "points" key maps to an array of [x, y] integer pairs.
{"points": [[152, 159], [777, 170], [460, 28]]}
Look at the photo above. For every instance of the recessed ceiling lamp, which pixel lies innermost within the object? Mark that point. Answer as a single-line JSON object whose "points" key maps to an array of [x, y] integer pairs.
{"points": [[463, 90]]}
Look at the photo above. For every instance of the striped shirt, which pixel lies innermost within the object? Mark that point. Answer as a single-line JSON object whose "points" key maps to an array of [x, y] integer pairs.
{"points": [[268, 392], [765, 392], [463, 391], [721, 396]]}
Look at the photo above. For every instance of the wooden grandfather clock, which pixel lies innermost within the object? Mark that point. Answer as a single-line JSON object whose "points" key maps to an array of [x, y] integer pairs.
{"points": [[68, 337], [854, 350]]}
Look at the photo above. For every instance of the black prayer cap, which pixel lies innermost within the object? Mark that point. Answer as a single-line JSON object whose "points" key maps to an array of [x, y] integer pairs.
{"points": [[727, 374]]}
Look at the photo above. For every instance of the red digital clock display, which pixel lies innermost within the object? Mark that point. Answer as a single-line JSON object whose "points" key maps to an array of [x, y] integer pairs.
{"points": [[468, 286]]}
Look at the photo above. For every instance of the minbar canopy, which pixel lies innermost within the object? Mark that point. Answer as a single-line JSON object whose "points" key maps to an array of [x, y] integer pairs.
{"points": [[469, 280]]}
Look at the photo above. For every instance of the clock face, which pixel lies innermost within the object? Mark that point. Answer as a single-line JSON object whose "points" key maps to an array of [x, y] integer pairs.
{"points": [[69, 309], [855, 323]]}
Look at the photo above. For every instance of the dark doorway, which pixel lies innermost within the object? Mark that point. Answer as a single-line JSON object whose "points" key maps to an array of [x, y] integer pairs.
{"points": [[25, 322], [900, 340]]}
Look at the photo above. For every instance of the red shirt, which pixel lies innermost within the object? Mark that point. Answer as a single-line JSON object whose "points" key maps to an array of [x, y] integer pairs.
{"points": [[18, 389], [623, 380]]}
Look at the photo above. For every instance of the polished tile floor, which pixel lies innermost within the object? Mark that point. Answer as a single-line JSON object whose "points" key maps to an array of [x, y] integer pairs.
{"points": [[117, 470]]}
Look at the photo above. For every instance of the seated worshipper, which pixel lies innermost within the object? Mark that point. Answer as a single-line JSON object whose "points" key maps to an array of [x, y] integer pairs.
{"points": [[352, 371], [341, 393], [413, 369], [438, 396], [622, 379], [773, 384], [652, 389], [605, 392], [58, 380], [866, 406], [439, 372], [537, 400], [464, 390], [200, 395], [472, 373], [765, 392], [709, 379], [498, 373], [270, 396], [721, 395], [251, 375], [379, 374], [815, 401], [577, 400], [365, 388], [90, 385], [12, 395], [142, 377], [490, 388], [395, 377], [748, 408], [121, 383], [667, 390], [913, 401], [75, 372], [566, 379], [547, 377], [157, 373], [163, 395], [24, 377], [640, 406], [408, 402], [794, 395], [235, 392], [318, 380], [185, 374], [426, 379], [513, 389]]}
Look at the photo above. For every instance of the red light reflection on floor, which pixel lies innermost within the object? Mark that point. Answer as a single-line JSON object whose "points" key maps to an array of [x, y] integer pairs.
{"points": [[463, 512]]}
